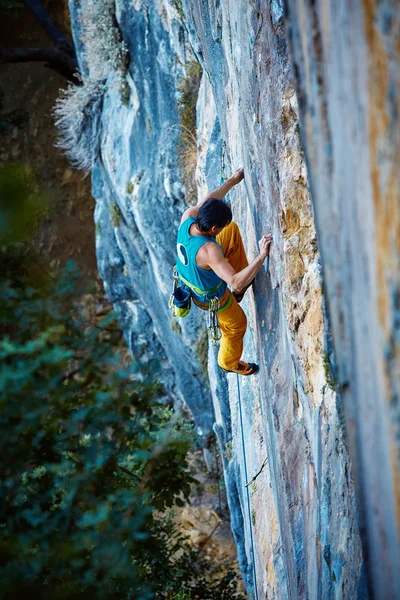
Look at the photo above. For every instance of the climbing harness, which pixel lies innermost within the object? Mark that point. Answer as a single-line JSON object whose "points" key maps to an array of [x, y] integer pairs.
{"points": [[252, 553], [214, 330], [180, 302], [180, 299]]}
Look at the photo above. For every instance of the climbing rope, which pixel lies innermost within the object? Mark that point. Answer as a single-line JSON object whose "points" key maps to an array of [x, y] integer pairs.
{"points": [[223, 178], [252, 553]]}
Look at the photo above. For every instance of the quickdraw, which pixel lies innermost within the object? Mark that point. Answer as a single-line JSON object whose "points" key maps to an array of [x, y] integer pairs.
{"points": [[222, 174], [174, 286], [214, 330]]}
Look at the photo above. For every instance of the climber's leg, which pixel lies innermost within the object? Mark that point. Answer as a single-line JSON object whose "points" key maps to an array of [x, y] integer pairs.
{"points": [[232, 322], [231, 242]]}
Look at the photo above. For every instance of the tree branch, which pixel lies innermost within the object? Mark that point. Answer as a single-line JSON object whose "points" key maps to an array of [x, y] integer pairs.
{"points": [[128, 472], [54, 59], [56, 35]]}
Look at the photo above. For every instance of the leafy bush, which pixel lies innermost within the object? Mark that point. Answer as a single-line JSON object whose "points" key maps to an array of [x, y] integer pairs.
{"points": [[91, 460], [86, 453]]}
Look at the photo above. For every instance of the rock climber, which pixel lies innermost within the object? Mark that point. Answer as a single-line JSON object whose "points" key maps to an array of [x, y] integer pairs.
{"points": [[211, 256]]}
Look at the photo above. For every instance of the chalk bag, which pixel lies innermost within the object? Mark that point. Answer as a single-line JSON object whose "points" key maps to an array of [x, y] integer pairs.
{"points": [[180, 299]]}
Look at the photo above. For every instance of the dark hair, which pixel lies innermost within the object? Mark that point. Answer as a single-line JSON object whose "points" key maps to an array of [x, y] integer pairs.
{"points": [[212, 213]]}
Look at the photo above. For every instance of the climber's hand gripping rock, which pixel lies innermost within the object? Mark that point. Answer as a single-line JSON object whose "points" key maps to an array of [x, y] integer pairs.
{"points": [[237, 176], [264, 245]]}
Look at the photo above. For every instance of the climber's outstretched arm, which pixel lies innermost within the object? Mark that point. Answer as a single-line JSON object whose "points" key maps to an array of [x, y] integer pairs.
{"points": [[237, 281], [219, 193]]}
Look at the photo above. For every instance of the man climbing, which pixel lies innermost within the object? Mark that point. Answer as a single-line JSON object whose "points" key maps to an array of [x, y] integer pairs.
{"points": [[210, 256]]}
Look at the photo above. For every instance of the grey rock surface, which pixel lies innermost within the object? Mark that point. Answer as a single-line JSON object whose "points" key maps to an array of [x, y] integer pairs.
{"points": [[295, 524], [139, 199], [283, 432], [347, 63]]}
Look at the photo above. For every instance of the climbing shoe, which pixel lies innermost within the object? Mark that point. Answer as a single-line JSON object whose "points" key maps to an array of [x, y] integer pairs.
{"points": [[239, 295], [243, 368]]}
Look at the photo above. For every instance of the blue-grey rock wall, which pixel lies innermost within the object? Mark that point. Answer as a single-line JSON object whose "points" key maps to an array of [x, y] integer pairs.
{"points": [[295, 525], [139, 198], [347, 65]]}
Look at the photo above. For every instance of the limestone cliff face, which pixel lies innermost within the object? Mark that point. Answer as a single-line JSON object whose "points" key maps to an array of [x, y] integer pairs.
{"points": [[347, 65], [139, 198], [296, 530], [282, 431]]}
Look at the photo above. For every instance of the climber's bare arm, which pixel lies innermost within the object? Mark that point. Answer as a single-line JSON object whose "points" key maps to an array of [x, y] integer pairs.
{"points": [[219, 193], [237, 281]]}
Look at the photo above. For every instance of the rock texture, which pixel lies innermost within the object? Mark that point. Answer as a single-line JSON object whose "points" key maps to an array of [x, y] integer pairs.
{"points": [[296, 527], [347, 66], [282, 432], [139, 199]]}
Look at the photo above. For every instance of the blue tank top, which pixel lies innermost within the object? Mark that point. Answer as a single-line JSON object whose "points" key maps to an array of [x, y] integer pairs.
{"points": [[205, 284]]}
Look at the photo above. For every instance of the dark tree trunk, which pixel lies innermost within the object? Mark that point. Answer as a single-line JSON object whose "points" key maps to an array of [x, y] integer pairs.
{"points": [[57, 60], [56, 35], [61, 59]]}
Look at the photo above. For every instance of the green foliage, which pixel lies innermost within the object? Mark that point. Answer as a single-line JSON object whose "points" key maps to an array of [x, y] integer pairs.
{"points": [[202, 351], [189, 89], [22, 206], [115, 214], [87, 453], [176, 327], [330, 378], [129, 187], [177, 4], [91, 462], [228, 450], [21, 209]]}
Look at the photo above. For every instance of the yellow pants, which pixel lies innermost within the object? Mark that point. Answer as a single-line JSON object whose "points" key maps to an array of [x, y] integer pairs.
{"points": [[232, 320]]}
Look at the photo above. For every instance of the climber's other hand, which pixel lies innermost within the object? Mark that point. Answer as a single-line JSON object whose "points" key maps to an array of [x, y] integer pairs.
{"points": [[237, 176], [264, 245]]}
